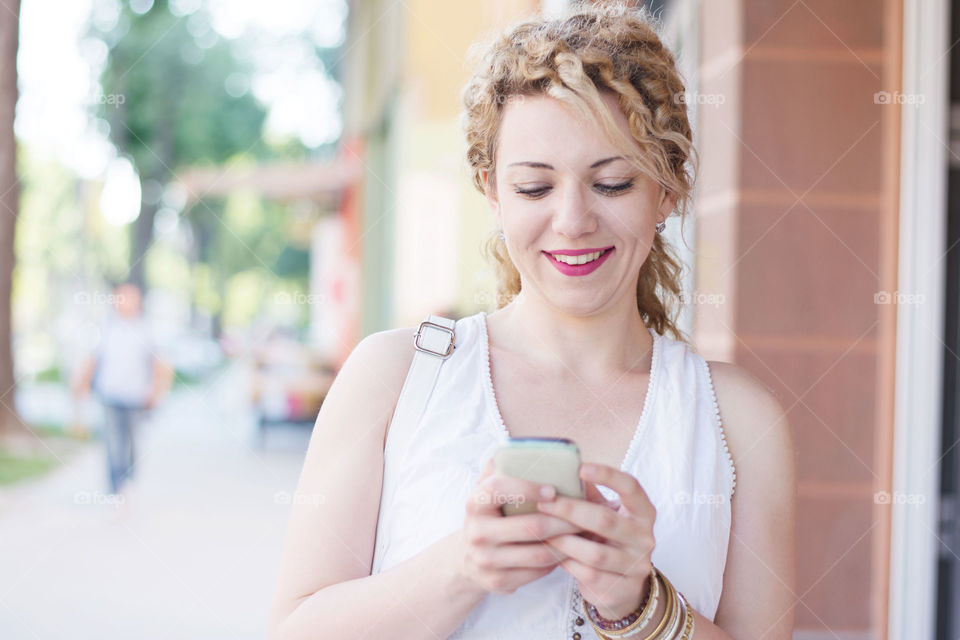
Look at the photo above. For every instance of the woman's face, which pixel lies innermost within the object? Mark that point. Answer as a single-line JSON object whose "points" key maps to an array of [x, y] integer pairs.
{"points": [[561, 186]]}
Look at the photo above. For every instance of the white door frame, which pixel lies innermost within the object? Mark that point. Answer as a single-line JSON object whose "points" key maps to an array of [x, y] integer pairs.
{"points": [[919, 356]]}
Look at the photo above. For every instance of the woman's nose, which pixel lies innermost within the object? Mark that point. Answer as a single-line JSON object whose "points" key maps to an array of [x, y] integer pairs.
{"points": [[572, 216]]}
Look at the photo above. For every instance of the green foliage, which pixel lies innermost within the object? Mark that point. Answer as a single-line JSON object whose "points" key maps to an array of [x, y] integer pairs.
{"points": [[244, 297], [165, 93], [173, 96], [292, 262], [60, 242], [50, 374], [18, 467], [183, 379]]}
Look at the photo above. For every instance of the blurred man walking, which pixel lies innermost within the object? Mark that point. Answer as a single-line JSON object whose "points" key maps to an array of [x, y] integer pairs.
{"points": [[128, 377]]}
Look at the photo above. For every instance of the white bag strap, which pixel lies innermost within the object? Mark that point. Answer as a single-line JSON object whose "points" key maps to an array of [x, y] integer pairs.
{"points": [[434, 342]]}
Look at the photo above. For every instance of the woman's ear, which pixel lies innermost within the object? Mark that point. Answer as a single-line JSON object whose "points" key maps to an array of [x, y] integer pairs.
{"points": [[667, 202]]}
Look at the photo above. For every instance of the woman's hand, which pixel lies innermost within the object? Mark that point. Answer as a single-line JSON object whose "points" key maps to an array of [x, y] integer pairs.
{"points": [[611, 561], [502, 553]]}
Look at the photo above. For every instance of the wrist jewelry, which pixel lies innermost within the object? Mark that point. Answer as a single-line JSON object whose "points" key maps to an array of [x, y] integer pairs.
{"points": [[688, 622], [661, 632], [679, 614], [677, 622], [642, 627], [676, 618], [607, 634], [632, 620]]}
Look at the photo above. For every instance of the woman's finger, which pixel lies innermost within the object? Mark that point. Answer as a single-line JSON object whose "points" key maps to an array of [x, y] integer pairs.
{"points": [[598, 555], [632, 496], [600, 520], [594, 495], [526, 555], [527, 527], [496, 490]]}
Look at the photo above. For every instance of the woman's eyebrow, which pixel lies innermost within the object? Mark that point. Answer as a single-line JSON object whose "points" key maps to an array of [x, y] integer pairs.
{"points": [[544, 165]]}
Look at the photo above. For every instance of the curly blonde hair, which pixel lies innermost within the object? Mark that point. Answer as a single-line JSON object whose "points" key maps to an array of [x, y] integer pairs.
{"points": [[611, 47]]}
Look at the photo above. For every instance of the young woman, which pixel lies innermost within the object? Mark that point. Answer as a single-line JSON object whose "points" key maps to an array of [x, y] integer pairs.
{"points": [[579, 139]]}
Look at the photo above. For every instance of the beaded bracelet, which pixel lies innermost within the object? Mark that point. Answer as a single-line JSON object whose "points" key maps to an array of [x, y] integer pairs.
{"points": [[637, 628], [648, 615], [634, 619], [676, 623]]}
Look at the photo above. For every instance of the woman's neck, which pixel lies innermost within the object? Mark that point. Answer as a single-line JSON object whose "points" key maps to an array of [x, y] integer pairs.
{"points": [[605, 344]]}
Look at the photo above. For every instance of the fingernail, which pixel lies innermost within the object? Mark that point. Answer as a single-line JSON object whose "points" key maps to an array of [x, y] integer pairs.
{"points": [[547, 492]]}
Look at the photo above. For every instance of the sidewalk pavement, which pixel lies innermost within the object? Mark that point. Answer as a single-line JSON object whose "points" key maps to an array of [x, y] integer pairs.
{"points": [[193, 550]]}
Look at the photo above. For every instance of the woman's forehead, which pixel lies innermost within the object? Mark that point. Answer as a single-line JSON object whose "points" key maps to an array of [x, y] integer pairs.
{"points": [[542, 127]]}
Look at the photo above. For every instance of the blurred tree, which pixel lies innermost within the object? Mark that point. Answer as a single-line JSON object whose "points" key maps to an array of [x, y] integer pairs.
{"points": [[257, 237], [10, 423], [174, 94]]}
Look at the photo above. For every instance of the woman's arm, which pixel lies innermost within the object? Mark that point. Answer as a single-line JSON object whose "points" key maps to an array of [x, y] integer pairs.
{"points": [[759, 582], [324, 588], [422, 598]]}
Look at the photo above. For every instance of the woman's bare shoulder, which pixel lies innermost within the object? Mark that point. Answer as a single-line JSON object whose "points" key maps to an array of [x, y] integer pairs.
{"points": [[379, 364], [749, 410], [394, 346], [739, 391]]}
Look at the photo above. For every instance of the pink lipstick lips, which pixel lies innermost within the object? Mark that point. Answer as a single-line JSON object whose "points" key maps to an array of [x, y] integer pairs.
{"points": [[578, 269]]}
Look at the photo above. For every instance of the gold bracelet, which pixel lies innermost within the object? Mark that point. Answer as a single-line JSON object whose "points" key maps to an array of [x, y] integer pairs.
{"points": [[649, 606], [677, 617], [602, 633], [683, 626], [688, 623], [669, 633], [671, 605], [648, 612], [668, 628]]}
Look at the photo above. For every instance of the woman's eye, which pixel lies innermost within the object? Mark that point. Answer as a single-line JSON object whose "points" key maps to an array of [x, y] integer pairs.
{"points": [[615, 188], [609, 189], [534, 193]]}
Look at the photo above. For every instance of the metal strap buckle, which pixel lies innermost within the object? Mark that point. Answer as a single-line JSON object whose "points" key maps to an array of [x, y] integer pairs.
{"points": [[440, 354]]}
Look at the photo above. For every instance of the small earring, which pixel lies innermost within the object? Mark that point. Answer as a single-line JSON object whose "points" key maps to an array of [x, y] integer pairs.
{"points": [[661, 226], [502, 237]]}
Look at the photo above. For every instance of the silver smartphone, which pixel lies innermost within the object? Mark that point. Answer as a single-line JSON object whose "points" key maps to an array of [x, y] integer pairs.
{"points": [[553, 461]]}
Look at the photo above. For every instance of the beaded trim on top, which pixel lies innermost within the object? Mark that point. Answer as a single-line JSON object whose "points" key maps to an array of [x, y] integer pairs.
{"points": [[490, 395], [649, 400], [576, 623], [723, 435]]}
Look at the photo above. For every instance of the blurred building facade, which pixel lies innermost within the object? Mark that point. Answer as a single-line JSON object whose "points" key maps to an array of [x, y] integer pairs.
{"points": [[818, 253]]}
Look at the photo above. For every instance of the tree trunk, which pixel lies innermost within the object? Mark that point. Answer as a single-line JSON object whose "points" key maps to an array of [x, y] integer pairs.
{"points": [[142, 239], [143, 227], [10, 424]]}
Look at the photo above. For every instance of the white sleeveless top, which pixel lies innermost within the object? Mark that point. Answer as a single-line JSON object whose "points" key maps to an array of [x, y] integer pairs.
{"points": [[678, 454]]}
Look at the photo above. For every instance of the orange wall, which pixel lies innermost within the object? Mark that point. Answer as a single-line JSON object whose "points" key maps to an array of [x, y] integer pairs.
{"points": [[797, 228]]}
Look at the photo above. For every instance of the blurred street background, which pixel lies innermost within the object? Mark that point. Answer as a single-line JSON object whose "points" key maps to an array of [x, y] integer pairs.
{"points": [[191, 554], [205, 204]]}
